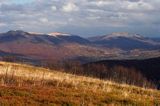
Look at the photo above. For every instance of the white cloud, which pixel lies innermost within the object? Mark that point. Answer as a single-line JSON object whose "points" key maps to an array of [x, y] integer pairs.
{"points": [[102, 2], [49, 15], [54, 8], [70, 7], [44, 20], [3, 24], [139, 6]]}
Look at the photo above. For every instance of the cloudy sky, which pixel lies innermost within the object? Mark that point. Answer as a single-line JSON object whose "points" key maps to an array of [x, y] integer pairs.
{"points": [[81, 17]]}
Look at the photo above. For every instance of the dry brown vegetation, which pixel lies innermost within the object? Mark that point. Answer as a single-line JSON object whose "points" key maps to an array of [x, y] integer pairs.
{"points": [[24, 85], [115, 73]]}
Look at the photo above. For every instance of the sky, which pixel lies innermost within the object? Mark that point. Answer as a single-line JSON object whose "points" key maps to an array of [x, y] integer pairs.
{"points": [[81, 17]]}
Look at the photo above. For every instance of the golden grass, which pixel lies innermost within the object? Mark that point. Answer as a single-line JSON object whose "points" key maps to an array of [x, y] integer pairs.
{"points": [[49, 87]]}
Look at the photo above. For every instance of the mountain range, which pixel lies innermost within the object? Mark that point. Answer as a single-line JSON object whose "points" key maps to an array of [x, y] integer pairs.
{"points": [[61, 46]]}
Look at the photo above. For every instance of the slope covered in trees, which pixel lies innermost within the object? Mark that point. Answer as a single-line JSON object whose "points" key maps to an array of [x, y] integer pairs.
{"points": [[132, 71]]}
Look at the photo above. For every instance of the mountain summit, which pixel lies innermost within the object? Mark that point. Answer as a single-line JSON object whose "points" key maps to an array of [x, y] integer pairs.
{"points": [[124, 34], [125, 41], [116, 35]]}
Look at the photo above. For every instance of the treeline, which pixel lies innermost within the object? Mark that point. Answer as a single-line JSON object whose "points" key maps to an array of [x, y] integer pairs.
{"points": [[119, 74], [116, 73]]}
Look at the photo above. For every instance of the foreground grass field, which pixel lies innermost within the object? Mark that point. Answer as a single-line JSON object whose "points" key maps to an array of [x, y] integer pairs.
{"points": [[24, 85]]}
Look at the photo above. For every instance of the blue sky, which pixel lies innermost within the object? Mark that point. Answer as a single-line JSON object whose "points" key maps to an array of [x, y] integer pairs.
{"points": [[81, 17]]}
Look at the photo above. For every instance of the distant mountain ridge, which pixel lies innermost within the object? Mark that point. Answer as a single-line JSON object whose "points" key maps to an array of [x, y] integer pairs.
{"points": [[46, 46], [21, 35], [125, 41], [62, 46]]}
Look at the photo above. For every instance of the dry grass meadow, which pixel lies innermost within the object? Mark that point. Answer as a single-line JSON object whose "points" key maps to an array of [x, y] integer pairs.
{"points": [[25, 85]]}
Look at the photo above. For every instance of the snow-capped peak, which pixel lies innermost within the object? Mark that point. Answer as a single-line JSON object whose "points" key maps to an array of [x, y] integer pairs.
{"points": [[58, 34]]}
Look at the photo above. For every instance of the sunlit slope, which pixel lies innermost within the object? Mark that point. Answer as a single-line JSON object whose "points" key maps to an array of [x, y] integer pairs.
{"points": [[34, 86]]}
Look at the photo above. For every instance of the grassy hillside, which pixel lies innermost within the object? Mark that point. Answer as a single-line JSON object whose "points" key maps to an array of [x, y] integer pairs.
{"points": [[24, 85]]}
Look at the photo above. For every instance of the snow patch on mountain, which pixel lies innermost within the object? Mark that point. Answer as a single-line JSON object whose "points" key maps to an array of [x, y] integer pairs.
{"points": [[59, 34]]}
